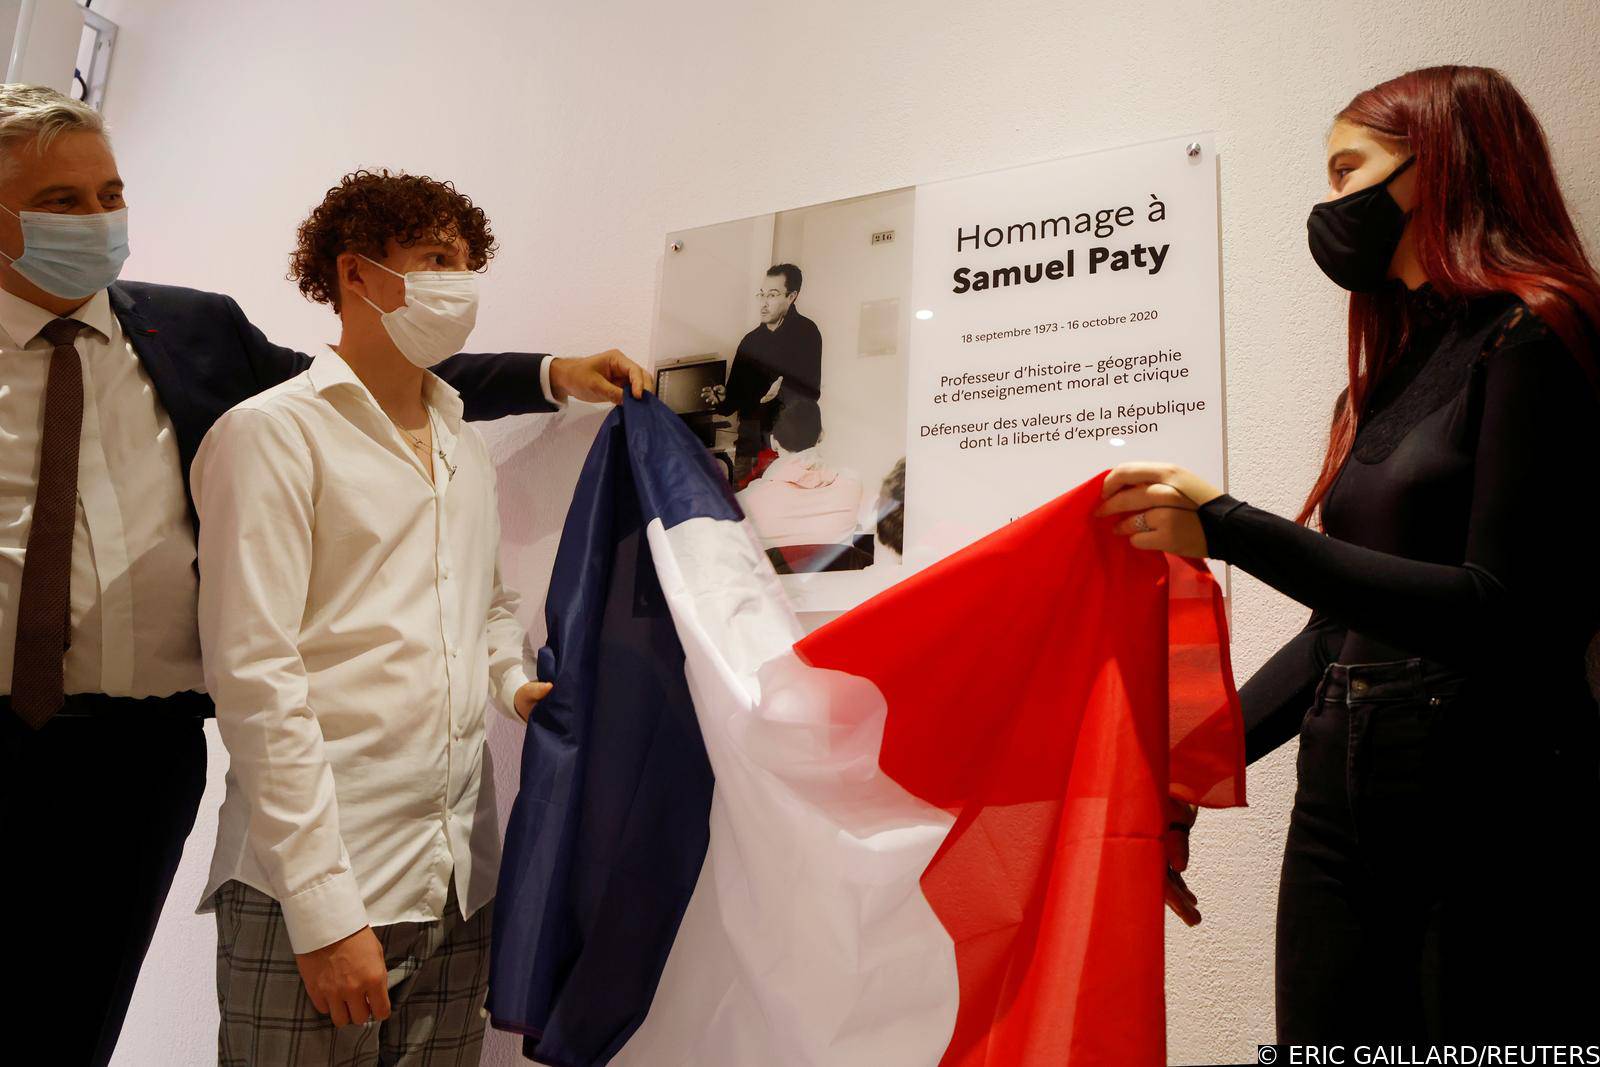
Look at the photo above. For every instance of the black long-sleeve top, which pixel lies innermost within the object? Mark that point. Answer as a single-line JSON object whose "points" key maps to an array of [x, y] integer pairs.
{"points": [[792, 352], [1460, 530]]}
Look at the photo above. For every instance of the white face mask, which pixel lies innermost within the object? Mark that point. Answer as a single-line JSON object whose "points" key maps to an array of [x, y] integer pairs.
{"points": [[440, 310]]}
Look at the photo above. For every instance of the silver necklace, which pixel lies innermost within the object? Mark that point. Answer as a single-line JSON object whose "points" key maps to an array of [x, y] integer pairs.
{"points": [[422, 445]]}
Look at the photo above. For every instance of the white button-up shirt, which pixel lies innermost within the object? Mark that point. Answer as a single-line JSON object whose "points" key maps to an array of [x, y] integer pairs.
{"points": [[133, 549], [354, 628]]}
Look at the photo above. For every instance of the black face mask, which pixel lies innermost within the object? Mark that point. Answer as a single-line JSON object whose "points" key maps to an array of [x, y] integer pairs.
{"points": [[1354, 237]]}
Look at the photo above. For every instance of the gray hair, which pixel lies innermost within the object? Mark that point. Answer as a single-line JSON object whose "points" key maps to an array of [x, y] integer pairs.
{"points": [[39, 112]]}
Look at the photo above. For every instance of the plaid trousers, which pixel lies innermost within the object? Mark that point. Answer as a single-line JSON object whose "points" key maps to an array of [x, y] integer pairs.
{"points": [[438, 976]]}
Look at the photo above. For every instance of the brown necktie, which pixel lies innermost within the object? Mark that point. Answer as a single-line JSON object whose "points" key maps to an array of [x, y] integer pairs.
{"points": [[44, 609]]}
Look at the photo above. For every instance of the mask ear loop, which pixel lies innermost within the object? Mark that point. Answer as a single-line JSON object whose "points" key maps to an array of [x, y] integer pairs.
{"points": [[363, 296], [1401, 169], [380, 266], [18, 217], [1393, 174]]}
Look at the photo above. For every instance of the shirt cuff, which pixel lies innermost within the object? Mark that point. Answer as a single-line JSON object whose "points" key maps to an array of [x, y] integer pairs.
{"points": [[544, 381], [514, 678], [327, 912]]}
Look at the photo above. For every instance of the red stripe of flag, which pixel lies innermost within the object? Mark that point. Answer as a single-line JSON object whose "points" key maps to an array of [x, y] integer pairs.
{"points": [[1032, 682]]}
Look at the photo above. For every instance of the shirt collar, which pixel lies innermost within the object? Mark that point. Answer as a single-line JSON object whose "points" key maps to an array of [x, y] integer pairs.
{"points": [[22, 319], [329, 371]]}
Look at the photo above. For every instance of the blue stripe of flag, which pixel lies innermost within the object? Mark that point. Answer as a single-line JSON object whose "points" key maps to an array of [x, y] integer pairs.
{"points": [[609, 829]]}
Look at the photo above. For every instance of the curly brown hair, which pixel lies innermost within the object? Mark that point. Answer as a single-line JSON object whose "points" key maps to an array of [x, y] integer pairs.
{"points": [[367, 210]]}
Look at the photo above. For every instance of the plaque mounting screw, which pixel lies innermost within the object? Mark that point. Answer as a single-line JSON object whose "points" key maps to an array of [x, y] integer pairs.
{"points": [[677, 246], [1193, 149]]}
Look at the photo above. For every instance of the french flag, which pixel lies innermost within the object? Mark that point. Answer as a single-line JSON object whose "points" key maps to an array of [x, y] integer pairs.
{"points": [[928, 833]]}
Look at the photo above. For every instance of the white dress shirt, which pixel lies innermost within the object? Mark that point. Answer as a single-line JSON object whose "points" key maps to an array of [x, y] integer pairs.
{"points": [[354, 627], [133, 550]]}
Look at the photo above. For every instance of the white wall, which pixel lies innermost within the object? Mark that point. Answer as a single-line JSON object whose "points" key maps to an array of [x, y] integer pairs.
{"points": [[707, 299], [589, 130]]}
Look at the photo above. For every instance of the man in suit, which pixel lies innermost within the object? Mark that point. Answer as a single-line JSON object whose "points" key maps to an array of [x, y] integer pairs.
{"points": [[106, 389]]}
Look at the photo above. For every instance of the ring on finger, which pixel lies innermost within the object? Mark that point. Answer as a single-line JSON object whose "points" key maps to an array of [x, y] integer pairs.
{"points": [[1140, 523]]}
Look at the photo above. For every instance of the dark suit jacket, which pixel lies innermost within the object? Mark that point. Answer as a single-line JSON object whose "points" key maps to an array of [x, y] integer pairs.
{"points": [[204, 357]]}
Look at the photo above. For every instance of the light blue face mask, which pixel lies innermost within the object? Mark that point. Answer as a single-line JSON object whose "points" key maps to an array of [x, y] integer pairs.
{"points": [[71, 256]]}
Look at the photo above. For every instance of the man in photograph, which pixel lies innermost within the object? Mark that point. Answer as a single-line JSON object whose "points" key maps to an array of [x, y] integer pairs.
{"points": [[355, 629], [778, 361]]}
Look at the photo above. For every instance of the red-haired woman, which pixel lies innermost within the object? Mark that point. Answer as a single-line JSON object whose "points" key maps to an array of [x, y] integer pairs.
{"points": [[1435, 878]]}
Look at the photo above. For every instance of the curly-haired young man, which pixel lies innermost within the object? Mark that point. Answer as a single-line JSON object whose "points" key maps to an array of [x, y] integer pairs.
{"points": [[355, 628]]}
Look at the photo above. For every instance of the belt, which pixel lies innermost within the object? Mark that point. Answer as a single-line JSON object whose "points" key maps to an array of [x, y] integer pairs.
{"points": [[184, 705]]}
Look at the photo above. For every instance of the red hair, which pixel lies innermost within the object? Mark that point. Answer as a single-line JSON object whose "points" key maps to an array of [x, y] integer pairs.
{"points": [[1489, 218]]}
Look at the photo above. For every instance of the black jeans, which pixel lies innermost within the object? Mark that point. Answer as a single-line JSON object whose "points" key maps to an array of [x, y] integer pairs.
{"points": [[96, 812], [1435, 883]]}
